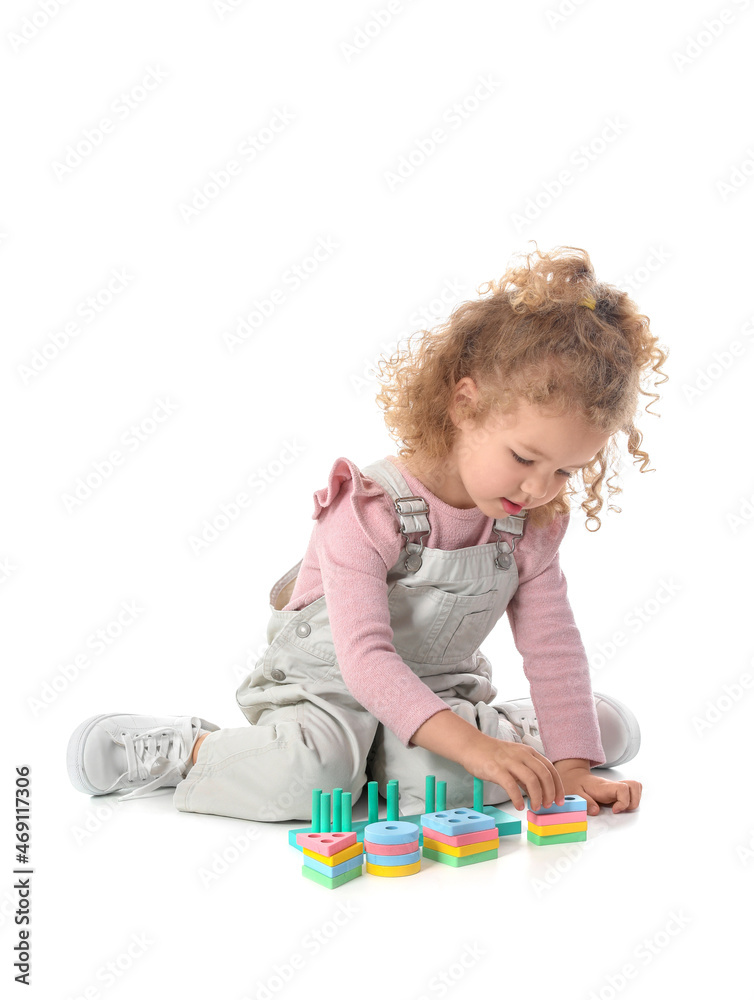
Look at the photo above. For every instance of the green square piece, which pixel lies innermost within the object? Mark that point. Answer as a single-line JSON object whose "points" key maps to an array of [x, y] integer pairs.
{"points": [[454, 862], [558, 838], [326, 880]]}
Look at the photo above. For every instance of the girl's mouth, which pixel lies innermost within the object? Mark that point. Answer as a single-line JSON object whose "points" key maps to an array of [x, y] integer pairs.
{"points": [[511, 508]]}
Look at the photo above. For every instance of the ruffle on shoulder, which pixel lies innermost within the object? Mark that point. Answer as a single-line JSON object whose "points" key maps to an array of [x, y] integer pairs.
{"points": [[341, 472]]}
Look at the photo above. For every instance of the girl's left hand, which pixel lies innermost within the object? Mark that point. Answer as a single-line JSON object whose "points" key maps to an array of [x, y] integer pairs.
{"points": [[624, 796]]}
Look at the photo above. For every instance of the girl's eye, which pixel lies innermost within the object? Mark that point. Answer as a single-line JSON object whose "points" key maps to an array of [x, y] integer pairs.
{"points": [[529, 461]]}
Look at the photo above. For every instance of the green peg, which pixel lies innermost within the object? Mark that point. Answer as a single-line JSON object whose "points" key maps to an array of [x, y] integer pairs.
{"points": [[316, 797], [442, 788], [345, 812], [374, 802], [324, 813], [392, 799], [336, 807], [478, 795], [429, 794]]}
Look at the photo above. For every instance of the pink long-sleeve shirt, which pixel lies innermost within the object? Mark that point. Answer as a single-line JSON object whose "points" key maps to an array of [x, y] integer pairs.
{"points": [[353, 545]]}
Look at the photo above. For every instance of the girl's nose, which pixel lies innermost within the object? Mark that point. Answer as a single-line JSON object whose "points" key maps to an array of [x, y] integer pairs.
{"points": [[535, 489]]}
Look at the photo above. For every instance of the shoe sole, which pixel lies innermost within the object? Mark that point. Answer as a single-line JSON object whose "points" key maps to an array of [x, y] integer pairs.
{"points": [[74, 757], [632, 728]]}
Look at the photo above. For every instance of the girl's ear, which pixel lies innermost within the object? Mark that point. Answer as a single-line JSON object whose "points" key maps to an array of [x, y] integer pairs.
{"points": [[465, 396]]}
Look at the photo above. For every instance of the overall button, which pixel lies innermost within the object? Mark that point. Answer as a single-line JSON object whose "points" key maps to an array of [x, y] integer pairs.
{"points": [[303, 629], [277, 675]]}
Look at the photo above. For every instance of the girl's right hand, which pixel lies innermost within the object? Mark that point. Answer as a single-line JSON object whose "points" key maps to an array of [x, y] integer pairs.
{"points": [[511, 765]]}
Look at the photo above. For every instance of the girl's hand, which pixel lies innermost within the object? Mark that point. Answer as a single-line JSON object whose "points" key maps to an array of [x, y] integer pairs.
{"points": [[578, 779], [511, 765]]}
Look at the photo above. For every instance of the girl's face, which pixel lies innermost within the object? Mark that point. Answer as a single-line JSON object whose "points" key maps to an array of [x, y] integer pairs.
{"points": [[523, 457]]}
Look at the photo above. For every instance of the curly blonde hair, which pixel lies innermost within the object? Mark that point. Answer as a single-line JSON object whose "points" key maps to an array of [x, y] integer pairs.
{"points": [[529, 337]]}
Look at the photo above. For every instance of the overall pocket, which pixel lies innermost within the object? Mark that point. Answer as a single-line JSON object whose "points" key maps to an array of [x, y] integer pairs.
{"points": [[435, 627]]}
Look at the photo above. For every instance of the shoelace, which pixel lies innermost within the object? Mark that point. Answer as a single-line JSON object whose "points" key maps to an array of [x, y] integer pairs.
{"points": [[529, 728], [157, 753]]}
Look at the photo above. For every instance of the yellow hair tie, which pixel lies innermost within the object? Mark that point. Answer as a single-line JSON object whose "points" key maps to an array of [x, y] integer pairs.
{"points": [[589, 302]]}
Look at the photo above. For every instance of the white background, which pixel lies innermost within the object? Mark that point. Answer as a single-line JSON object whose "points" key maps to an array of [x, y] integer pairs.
{"points": [[648, 905]]}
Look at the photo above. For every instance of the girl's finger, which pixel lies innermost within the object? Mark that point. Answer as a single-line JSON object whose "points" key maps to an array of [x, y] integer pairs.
{"points": [[634, 792], [528, 780], [622, 797], [549, 781], [508, 782], [592, 805]]}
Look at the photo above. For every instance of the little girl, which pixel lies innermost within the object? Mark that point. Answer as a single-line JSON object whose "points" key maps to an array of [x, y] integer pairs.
{"points": [[374, 668]]}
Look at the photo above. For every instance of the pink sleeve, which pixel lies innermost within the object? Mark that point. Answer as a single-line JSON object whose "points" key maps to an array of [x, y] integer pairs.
{"points": [[554, 658], [357, 541]]}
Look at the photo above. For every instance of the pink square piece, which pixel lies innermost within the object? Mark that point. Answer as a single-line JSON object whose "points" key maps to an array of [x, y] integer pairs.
{"points": [[551, 819], [326, 843], [461, 839]]}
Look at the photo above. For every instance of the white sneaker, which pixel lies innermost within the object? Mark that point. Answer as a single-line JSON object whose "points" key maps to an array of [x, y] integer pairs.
{"points": [[619, 727], [108, 753]]}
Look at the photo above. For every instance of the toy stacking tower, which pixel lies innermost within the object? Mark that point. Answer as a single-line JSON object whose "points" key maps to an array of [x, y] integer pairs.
{"points": [[331, 857], [557, 824], [392, 846], [457, 837]]}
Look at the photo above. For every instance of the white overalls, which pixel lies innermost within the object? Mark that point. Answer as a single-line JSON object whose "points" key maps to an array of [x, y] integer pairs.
{"points": [[307, 729]]}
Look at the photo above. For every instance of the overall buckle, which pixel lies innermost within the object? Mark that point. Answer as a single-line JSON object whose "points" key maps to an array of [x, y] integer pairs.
{"points": [[413, 515]]}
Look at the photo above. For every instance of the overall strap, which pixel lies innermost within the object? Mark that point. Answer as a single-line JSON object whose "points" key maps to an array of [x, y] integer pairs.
{"points": [[514, 524], [413, 515], [412, 511]]}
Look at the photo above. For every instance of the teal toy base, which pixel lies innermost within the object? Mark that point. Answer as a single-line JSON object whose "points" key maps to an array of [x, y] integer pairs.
{"points": [[506, 825]]}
